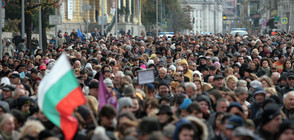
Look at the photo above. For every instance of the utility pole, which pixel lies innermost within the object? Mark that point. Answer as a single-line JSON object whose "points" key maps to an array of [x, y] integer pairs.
{"points": [[156, 18], [103, 4], [22, 20], [1, 20], [161, 13], [40, 27], [138, 11], [56, 45], [115, 32]]}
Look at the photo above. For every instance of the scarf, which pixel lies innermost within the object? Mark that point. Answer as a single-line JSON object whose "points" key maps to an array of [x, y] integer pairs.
{"points": [[266, 70]]}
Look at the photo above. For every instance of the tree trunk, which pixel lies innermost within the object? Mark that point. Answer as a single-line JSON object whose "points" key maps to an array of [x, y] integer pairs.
{"points": [[44, 36]]}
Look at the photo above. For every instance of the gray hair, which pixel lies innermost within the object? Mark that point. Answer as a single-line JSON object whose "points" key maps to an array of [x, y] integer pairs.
{"points": [[222, 100], [120, 73], [240, 90], [286, 95], [191, 84], [241, 82], [276, 73], [163, 69]]}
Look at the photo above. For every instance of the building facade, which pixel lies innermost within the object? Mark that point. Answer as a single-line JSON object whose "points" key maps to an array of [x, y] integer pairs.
{"points": [[206, 16], [272, 14], [86, 14]]}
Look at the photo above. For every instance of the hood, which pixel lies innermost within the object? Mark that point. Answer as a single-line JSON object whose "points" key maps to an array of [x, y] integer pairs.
{"points": [[202, 131], [179, 124]]}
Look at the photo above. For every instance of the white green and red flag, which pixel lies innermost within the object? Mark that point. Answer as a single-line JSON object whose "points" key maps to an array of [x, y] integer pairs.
{"points": [[59, 94]]}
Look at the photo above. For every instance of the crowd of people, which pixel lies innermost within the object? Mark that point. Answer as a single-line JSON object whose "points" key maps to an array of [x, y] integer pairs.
{"points": [[206, 87]]}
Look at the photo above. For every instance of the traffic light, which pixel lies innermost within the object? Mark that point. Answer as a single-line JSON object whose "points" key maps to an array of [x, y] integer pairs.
{"points": [[224, 17]]}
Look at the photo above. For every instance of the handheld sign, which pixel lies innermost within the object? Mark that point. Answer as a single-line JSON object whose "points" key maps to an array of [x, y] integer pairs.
{"points": [[146, 76]]}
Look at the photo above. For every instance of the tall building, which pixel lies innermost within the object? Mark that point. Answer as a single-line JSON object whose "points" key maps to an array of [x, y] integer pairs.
{"points": [[206, 15]]}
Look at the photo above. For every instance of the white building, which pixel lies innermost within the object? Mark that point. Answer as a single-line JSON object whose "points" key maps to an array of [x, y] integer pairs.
{"points": [[206, 15]]}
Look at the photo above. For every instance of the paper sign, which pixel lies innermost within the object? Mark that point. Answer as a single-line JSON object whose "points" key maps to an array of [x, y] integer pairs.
{"points": [[146, 76]]}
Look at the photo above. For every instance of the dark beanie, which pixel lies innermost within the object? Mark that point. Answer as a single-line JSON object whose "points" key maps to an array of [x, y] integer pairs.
{"points": [[204, 98], [269, 113]]}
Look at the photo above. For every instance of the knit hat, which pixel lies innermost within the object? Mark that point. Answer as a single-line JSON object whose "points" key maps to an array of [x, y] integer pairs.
{"points": [[243, 131], [204, 98], [172, 67], [4, 105], [164, 109], [269, 113], [185, 103], [128, 90], [259, 90], [108, 82], [123, 102], [234, 122], [150, 62], [235, 104], [255, 84]]}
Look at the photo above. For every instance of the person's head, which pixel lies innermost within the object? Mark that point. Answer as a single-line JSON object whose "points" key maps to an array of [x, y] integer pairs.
{"points": [[259, 94], [275, 77], [14, 78], [231, 82], [241, 59], [264, 63], [271, 118], [184, 130], [286, 130], [164, 114], [162, 72], [107, 115], [31, 128], [221, 105], [7, 123], [6, 92], [94, 87], [241, 93], [163, 89], [125, 104], [290, 80], [282, 58], [150, 105], [266, 81], [194, 109], [218, 81], [288, 100], [190, 89]]}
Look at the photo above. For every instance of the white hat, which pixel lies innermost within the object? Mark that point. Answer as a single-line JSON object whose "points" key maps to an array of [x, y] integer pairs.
{"points": [[150, 62], [172, 67]]}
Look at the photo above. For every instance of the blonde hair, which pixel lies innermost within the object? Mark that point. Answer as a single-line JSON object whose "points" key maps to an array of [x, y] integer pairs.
{"points": [[206, 87], [31, 128], [268, 80], [231, 78], [271, 90], [93, 104]]}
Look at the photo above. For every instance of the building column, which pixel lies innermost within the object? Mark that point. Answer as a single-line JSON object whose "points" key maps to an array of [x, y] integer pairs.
{"points": [[122, 11], [132, 11], [128, 11]]}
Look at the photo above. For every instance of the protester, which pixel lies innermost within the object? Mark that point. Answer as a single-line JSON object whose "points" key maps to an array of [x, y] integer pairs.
{"points": [[204, 87]]}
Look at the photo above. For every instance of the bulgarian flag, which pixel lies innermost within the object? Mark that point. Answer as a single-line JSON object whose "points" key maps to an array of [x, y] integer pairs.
{"points": [[59, 94]]}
